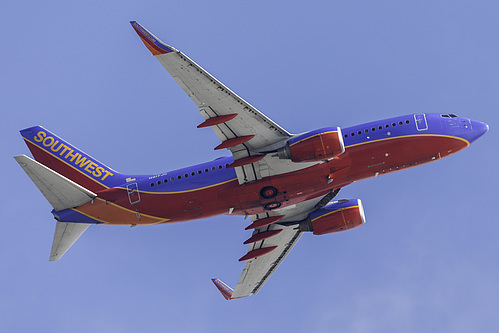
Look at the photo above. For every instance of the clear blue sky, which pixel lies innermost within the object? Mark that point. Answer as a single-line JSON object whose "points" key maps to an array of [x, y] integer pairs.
{"points": [[425, 261]]}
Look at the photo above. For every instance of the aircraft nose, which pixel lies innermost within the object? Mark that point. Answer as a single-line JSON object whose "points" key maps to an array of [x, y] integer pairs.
{"points": [[478, 129]]}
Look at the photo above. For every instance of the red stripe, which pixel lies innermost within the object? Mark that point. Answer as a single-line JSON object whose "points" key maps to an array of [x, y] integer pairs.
{"points": [[155, 49], [261, 236], [264, 222], [257, 253], [64, 169], [234, 142], [217, 120], [245, 161]]}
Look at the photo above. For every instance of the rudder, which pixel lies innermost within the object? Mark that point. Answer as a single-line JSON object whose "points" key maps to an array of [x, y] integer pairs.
{"points": [[69, 161]]}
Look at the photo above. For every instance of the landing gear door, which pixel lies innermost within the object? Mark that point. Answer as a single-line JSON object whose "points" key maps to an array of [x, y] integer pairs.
{"points": [[133, 193], [421, 123]]}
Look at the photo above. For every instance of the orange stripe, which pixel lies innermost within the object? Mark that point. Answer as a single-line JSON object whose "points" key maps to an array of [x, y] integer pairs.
{"points": [[104, 211]]}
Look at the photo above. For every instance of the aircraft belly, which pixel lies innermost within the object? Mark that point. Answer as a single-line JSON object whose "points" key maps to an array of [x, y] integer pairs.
{"points": [[382, 157]]}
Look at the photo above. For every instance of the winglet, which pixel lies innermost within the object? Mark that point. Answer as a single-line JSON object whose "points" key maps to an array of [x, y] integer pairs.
{"points": [[224, 289], [154, 45]]}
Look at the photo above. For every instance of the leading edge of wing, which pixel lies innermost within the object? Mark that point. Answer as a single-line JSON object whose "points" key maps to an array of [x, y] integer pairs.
{"points": [[212, 97], [153, 43], [281, 239]]}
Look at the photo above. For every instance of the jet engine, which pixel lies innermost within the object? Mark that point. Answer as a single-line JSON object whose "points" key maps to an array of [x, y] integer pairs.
{"points": [[338, 216], [314, 146]]}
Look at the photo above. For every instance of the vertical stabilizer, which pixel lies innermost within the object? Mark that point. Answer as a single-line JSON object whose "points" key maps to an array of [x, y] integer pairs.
{"points": [[69, 161], [65, 235]]}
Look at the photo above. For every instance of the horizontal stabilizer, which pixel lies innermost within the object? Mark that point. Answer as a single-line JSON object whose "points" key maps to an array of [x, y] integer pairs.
{"points": [[61, 192], [65, 235]]}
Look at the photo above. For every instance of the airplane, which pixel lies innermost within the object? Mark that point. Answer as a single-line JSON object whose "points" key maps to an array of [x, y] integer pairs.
{"points": [[285, 183]]}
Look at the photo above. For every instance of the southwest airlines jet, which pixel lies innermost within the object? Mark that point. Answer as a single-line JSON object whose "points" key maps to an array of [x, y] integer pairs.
{"points": [[285, 183]]}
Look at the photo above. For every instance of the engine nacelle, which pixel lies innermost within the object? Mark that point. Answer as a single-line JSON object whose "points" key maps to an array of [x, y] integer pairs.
{"points": [[338, 216], [314, 146]]}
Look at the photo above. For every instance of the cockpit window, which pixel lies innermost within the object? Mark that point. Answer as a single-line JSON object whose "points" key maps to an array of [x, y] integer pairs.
{"points": [[450, 115]]}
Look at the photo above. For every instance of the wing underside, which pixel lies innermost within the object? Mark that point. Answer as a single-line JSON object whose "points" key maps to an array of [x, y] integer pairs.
{"points": [[242, 128], [253, 139], [257, 271], [282, 233]]}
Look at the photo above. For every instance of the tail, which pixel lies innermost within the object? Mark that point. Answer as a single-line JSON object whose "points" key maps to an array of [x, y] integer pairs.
{"points": [[67, 177], [69, 161], [62, 193]]}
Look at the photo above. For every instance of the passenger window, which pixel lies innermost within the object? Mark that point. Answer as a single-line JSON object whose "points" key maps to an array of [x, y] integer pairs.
{"points": [[359, 132], [193, 173], [165, 180], [373, 129], [158, 182], [206, 170], [220, 167], [401, 123], [200, 172], [152, 184], [179, 177], [186, 175], [380, 127], [407, 121], [366, 130], [352, 134], [172, 178], [213, 168], [346, 135]]}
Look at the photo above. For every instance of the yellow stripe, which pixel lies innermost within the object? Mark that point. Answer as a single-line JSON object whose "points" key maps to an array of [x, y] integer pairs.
{"points": [[409, 136], [312, 137], [104, 222], [323, 148], [186, 191], [69, 164], [344, 220], [335, 211], [93, 218], [161, 220], [129, 210]]}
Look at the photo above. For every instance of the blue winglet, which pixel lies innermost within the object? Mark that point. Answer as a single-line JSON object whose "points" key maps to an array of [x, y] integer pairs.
{"points": [[152, 42], [224, 289]]}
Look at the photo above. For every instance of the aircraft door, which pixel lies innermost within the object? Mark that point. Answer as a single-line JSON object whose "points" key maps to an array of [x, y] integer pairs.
{"points": [[421, 123], [133, 193]]}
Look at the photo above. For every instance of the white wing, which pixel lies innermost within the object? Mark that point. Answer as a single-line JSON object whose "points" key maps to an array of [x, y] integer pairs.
{"points": [[244, 130]]}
